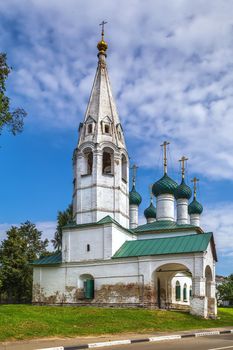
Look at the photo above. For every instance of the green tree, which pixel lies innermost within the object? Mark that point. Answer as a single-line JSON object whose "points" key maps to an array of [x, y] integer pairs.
{"points": [[63, 218], [11, 119], [225, 290], [22, 245]]}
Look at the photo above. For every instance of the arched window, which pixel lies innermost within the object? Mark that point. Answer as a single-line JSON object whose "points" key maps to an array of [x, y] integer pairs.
{"points": [[177, 290], [190, 292], [107, 161], [88, 161], [88, 247], [185, 292], [89, 128], [124, 167]]}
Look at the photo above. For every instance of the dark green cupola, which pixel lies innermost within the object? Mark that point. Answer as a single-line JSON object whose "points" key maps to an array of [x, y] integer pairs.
{"points": [[195, 207], [150, 212], [165, 185], [134, 197], [183, 191]]}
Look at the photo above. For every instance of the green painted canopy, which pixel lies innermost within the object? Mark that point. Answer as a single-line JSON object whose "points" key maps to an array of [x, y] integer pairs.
{"points": [[183, 191], [164, 186], [170, 245], [53, 259], [150, 212], [134, 197], [195, 207]]}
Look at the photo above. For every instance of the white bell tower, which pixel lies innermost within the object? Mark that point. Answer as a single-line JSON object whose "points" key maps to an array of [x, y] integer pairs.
{"points": [[100, 161]]}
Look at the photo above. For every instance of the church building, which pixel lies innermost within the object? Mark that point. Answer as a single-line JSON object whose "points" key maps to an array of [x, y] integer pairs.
{"points": [[107, 258]]}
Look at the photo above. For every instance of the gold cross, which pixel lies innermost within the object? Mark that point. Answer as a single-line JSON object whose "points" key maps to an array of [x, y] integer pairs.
{"points": [[164, 145], [195, 181], [134, 168], [183, 160], [102, 24]]}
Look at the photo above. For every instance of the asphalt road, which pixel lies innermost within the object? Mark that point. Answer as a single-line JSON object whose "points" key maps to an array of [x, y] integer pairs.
{"points": [[218, 342]]}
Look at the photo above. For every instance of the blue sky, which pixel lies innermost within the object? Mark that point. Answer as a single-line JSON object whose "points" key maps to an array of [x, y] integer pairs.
{"points": [[170, 65]]}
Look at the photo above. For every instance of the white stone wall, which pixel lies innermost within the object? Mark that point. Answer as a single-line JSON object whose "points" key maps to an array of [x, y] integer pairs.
{"points": [[165, 207], [98, 194], [103, 241], [183, 280]]}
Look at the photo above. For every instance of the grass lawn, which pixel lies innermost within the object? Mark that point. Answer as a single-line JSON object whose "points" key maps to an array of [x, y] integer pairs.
{"points": [[26, 321]]}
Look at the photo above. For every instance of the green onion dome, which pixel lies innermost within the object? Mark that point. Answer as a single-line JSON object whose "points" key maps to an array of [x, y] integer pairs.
{"points": [[183, 191], [150, 212], [164, 186], [134, 197], [195, 207]]}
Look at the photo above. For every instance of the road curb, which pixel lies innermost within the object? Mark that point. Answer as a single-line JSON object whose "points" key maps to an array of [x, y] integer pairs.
{"points": [[142, 340]]}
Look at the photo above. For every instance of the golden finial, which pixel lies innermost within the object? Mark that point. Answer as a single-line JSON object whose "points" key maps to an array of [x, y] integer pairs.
{"points": [[164, 145], [183, 160], [195, 181], [102, 45]]}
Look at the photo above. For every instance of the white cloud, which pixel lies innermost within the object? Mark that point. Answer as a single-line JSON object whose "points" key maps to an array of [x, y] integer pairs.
{"points": [[218, 219], [170, 64]]}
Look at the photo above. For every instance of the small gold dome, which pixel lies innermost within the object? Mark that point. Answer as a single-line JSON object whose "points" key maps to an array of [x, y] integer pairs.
{"points": [[102, 46]]}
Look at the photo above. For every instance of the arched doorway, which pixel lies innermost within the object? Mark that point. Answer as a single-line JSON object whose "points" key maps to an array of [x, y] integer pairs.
{"points": [[171, 283], [87, 285]]}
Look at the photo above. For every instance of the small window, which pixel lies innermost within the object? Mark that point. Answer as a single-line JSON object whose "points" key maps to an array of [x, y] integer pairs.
{"points": [[177, 291], [89, 129], [88, 247], [190, 292], [106, 128]]}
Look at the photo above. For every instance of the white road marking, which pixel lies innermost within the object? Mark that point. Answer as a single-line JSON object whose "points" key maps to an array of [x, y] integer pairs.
{"points": [[203, 334], [109, 343], [225, 347], [165, 337]]}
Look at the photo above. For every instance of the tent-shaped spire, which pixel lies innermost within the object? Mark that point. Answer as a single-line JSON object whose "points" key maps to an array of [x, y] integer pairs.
{"points": [[101, 111]]}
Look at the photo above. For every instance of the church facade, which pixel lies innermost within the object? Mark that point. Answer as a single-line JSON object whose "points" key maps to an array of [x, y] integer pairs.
{"points": [[107, 259]]}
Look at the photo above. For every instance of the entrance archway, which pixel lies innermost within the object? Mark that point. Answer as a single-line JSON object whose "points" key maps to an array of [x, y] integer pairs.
{"points": [[171, 282]]}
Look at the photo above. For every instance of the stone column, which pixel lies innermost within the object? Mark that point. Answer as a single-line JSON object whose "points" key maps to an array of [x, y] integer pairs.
{"points": [[195, 219], [182, 211], [199, 302], [133, 216]]}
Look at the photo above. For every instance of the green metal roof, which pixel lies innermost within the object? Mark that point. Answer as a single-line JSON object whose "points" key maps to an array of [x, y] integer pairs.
{"points": [[169, 245], [49, 260], [164, 226], [106, 220]]}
